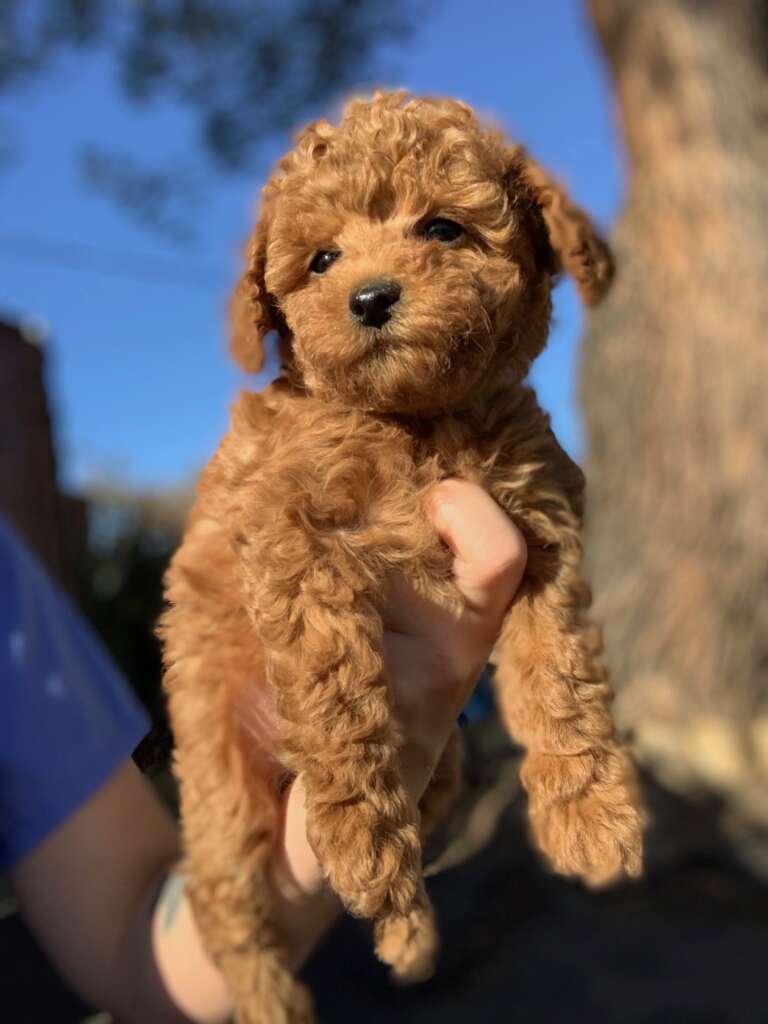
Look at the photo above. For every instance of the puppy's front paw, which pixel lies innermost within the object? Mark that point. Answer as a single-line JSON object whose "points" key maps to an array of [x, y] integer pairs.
{"points": [[593, 830], [373, 865], [284, 1002], [409, 943]]}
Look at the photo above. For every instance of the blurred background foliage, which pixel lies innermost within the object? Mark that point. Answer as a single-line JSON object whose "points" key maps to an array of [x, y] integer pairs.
{"points": [[245, 68], [132, 536]]}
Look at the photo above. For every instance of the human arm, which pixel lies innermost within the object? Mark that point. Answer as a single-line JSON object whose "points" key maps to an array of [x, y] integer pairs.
{"points": [[88, 891]]}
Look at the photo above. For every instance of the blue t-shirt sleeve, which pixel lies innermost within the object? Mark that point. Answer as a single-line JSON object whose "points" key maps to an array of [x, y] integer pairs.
{"points": [[67, 718]]}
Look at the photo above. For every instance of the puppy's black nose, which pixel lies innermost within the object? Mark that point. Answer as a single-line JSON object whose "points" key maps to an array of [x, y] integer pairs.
{"points": [[371, 303]]}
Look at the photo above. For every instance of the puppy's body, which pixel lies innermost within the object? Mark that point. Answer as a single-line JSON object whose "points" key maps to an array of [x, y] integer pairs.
{"points": [[314, 500]]}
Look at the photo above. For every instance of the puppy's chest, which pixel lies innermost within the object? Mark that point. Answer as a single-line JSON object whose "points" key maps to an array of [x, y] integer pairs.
{"points": [[353, 460], [315, 485]]}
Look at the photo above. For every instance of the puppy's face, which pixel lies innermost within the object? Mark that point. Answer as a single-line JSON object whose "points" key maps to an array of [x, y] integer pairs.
{"points": [[406, 257]]}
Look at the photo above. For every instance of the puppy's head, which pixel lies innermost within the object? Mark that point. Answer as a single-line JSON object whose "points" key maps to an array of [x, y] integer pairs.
{"points": [[406, 257]]}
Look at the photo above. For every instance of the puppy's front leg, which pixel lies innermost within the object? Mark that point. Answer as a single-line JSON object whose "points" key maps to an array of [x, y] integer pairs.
{"points": [[323, 641], [554, 698]]}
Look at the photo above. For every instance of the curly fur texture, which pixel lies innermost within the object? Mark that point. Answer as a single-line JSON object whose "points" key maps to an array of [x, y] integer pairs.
{"points": [[273, 636]]}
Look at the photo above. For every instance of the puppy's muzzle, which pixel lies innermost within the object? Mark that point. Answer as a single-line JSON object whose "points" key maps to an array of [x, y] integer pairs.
{"points": [[371, 304]]}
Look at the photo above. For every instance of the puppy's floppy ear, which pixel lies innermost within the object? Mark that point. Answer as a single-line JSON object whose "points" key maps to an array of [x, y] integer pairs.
{"points": [[252, 309], [575, 245]]}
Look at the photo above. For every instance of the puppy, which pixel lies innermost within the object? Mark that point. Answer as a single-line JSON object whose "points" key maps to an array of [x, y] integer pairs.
{"points": [[405, 260]]}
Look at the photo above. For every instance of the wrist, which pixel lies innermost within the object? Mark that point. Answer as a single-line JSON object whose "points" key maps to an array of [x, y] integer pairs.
{"points": [[189, 977], [417, 765], [296, 871], [305, 906]]}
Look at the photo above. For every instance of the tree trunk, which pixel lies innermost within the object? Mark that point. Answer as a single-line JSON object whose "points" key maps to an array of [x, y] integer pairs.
{"points": [[675, 394]]}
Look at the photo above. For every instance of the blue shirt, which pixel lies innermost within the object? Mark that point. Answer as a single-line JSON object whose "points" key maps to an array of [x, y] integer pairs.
{"points": [[67, 717]]}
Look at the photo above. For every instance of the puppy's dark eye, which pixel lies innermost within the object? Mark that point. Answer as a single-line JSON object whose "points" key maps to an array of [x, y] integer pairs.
{"points": [[442, 230], [323, 260]]}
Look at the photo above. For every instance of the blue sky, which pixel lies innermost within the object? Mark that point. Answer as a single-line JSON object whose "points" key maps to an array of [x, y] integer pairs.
{"points": [[139, 379]]}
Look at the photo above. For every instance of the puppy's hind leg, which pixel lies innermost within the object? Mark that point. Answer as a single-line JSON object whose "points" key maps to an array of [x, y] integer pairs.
{"points": [[229, 820]]}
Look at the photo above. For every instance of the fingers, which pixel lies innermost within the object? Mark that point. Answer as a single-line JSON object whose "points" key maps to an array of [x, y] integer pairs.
{"points": [[490, 552]]}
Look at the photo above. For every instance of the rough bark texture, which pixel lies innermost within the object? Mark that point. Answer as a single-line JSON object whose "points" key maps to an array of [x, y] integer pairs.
{"points": [[675, 392]]}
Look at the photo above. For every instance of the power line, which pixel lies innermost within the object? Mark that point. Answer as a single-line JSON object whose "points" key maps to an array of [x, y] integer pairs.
{"points": [[82, 256]]}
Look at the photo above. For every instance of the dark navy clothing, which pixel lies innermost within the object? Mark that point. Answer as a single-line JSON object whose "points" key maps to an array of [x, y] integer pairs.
{"points": [[67, 717]]}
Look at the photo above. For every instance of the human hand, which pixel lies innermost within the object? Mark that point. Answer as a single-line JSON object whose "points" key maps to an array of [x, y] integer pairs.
{"points": [[432, 660]]}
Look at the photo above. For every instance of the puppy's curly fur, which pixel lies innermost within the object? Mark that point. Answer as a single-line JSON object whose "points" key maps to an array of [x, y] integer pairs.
{"points": [[273, 636]]}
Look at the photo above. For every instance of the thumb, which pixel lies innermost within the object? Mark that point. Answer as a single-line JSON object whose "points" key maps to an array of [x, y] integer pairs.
{"points": [[490, 552]]}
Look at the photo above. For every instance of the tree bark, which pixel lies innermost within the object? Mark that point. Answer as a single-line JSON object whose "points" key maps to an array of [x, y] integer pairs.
{"points": [[675, 394]]}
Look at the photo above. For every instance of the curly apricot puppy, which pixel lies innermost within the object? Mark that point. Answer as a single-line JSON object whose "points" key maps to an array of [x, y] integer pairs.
{"points": [[406, 259]]}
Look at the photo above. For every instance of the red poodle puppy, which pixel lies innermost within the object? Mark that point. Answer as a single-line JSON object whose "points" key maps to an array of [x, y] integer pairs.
{"points": [[406, 260]]}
